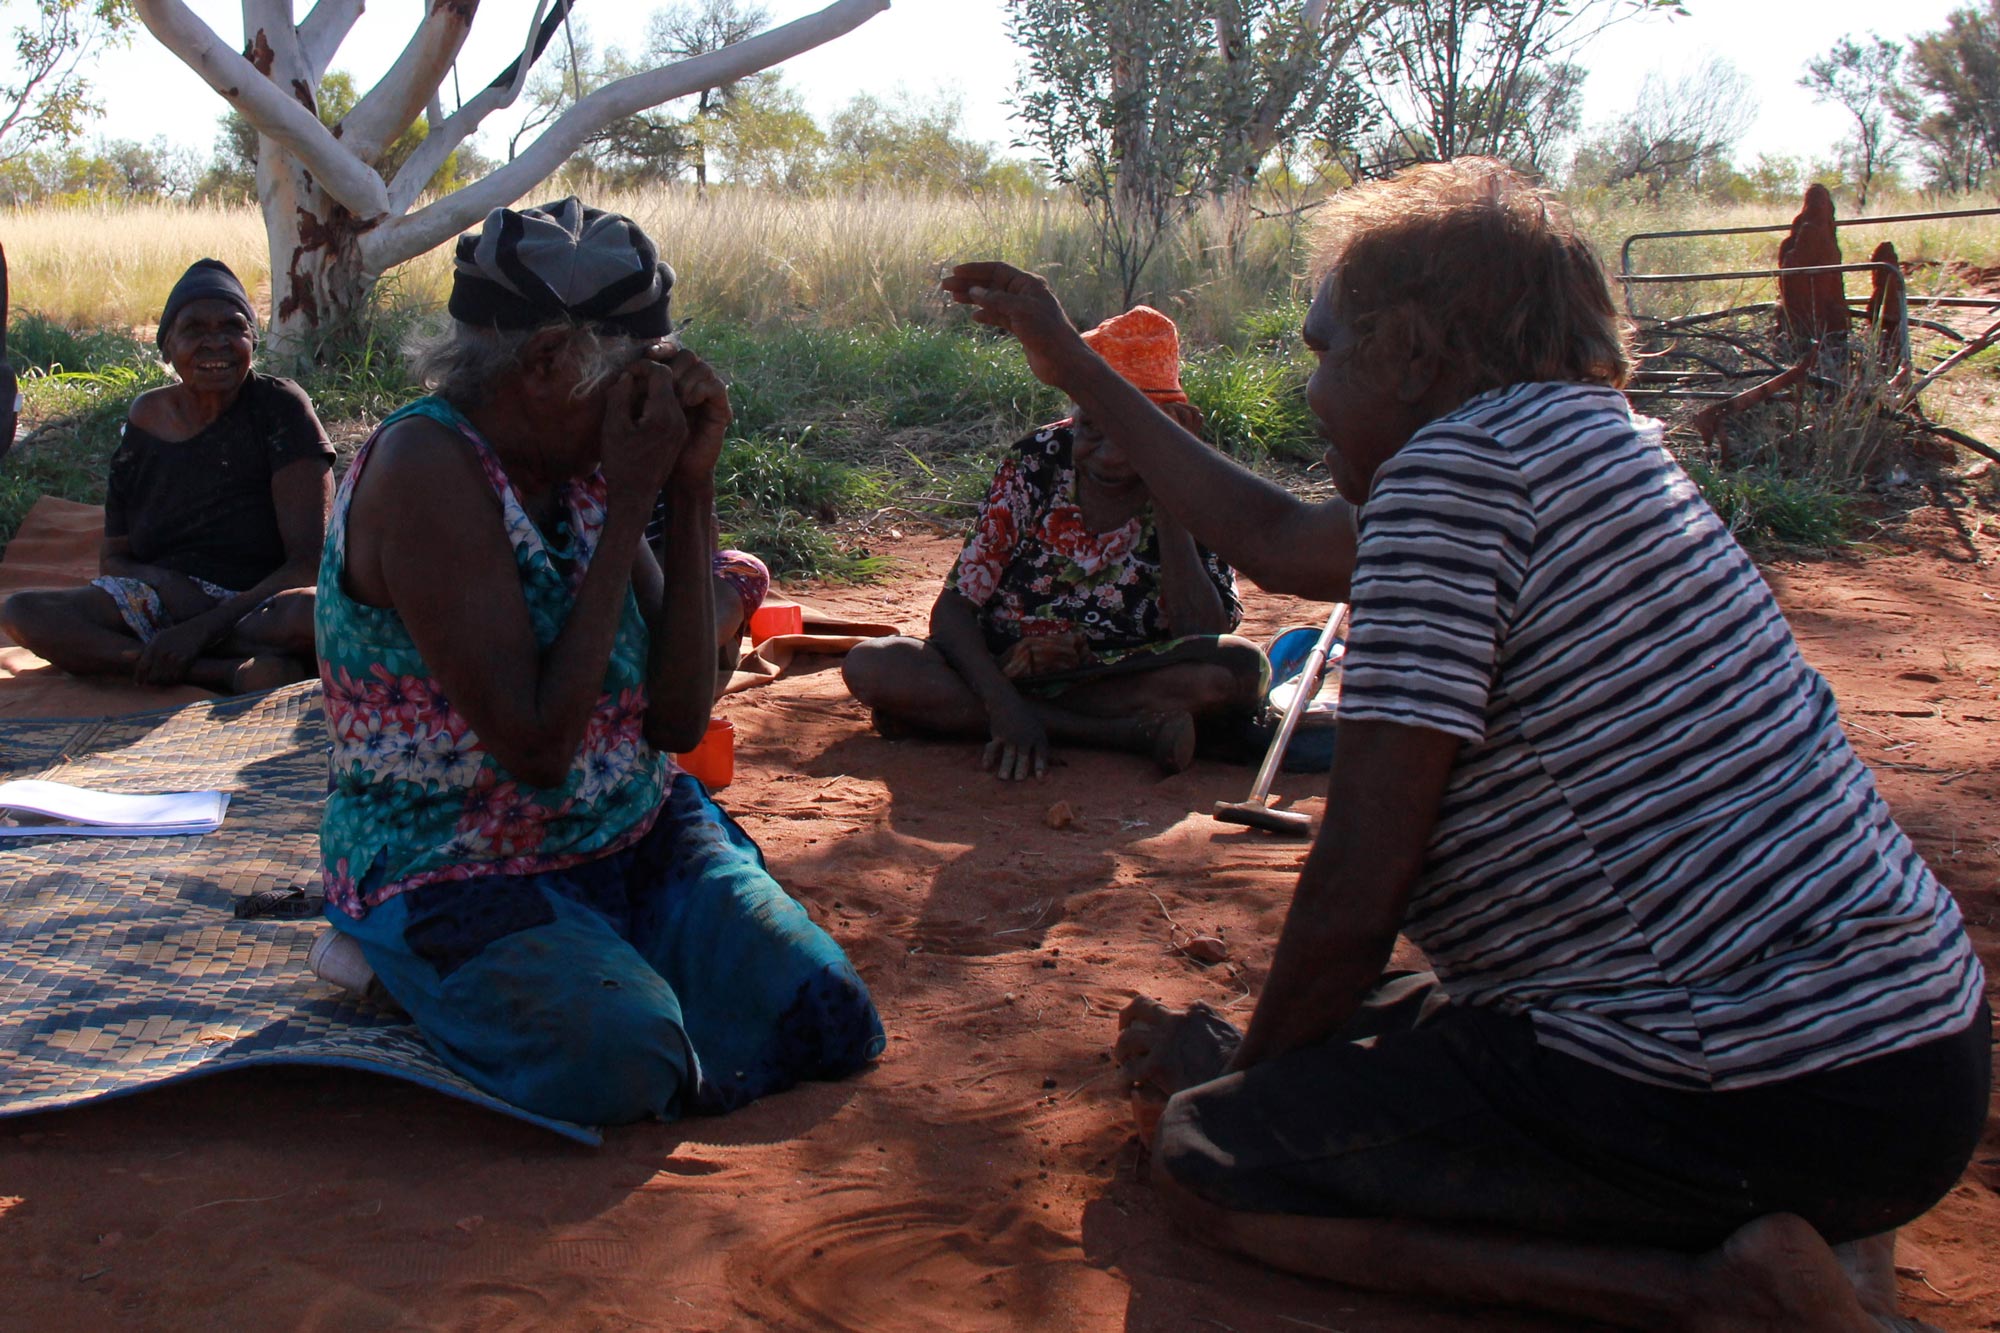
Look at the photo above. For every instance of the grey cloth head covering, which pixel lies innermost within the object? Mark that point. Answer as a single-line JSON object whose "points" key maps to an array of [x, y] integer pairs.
{"points": [[524, 269]]}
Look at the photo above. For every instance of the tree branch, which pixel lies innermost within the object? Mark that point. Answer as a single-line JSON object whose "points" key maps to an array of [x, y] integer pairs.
{"points": [[323, 30], [407, 237], [541, 31], [343, 176], [447, 133], [393, 104]]}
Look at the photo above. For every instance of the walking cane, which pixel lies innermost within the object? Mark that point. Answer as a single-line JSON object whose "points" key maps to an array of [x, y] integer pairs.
{"points": [[1256, 811]]}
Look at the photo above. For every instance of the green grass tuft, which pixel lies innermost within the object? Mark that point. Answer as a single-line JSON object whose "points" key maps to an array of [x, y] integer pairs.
{"points": [[36, 342], [1763, 509], [1255, 403]]}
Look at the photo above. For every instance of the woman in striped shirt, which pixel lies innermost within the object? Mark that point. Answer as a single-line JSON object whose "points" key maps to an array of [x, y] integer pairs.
{"points": [[1702, 1028]]}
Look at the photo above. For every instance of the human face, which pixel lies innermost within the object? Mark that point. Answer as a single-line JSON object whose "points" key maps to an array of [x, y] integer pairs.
{"points": [[567, 395], [1363, 416], [1096, 455], [209, 346]]}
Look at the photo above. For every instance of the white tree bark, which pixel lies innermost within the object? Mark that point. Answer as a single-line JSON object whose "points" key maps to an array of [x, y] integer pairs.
{"points": [[406, 237], [323, 30], [264, 103], [393, 104], [315, 272], [448, 132], [333, 225]]}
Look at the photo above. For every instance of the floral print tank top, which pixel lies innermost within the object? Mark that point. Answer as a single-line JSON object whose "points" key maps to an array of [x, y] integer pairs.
{"points": [[413, 796]]}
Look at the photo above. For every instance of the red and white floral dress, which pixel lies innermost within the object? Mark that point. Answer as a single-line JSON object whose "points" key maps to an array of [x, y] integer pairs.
{"points": [[1032, 567]]}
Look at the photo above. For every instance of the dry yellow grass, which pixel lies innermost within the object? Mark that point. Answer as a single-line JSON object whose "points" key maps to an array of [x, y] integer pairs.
{"points": [[742, 255], [841, 260], [114, 266]]}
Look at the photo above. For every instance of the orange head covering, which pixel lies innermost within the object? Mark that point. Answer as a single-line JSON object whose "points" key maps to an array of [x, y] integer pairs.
{"points": [[1144, 346]]}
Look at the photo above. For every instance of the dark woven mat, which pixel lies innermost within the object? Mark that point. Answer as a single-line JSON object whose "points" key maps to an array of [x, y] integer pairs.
{"points": [[122, 966]]}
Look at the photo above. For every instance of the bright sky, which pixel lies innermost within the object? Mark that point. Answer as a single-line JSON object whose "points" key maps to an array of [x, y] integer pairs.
{"points": [[960, 47]]}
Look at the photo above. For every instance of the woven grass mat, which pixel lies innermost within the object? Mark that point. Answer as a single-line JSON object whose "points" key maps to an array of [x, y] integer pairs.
{"points": [[121, 964]]}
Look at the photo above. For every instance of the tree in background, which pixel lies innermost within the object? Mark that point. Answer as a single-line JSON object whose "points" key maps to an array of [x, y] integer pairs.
{"points": [[1487, 77], [1678, 134], [648, 148], [913, 144], [768, 139], [1951, 105], [1147, 107], [114, 170], [47, 97], [696, 29], [1863, 79], [232, 172], [335, 217]]}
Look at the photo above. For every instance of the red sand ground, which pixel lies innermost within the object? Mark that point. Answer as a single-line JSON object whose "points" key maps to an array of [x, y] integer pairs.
{"points": [[983, 1175]]}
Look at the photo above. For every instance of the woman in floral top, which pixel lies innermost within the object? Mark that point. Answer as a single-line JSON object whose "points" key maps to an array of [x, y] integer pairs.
{"points": [[1078, 610], [573, 924]]}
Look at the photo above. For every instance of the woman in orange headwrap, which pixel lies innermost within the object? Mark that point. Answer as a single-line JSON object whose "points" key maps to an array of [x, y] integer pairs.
{"points": [[1078, 611]]}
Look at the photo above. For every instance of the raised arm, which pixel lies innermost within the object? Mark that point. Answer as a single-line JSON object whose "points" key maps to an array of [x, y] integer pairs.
{"points": [[1283, 543], [678, 595], [1188, 596]]}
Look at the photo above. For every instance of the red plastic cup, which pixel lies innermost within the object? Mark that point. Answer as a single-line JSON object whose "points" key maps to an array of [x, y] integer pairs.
{"points": [[714, 760], [775, 618]]}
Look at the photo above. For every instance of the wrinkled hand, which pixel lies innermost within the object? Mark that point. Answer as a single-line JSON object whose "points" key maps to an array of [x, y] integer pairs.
{"points": [[1019, 748], [644, 432], [704, 401], [1041, 654], [1022, 304], [168, 658]]}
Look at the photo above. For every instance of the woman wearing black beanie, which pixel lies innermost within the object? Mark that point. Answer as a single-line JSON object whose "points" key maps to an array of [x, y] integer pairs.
{"points": [[213, 518]]}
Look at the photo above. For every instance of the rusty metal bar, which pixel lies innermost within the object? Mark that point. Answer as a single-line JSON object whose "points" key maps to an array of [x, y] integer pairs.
{"points": [[1625, 251], [1905, 360], [1860, 266]]}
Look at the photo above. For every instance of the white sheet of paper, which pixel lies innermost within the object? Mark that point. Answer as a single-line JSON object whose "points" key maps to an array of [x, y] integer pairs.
{"points": [[84, 811]]}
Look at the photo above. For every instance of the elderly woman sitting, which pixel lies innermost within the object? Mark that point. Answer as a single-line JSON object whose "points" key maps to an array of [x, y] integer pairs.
{"points": [[1079, 610], [213, 518], [1700, 1013], [573, 924]]}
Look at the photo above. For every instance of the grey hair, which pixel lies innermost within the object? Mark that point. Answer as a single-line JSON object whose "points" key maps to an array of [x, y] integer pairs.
{"points": [[465, 363]]}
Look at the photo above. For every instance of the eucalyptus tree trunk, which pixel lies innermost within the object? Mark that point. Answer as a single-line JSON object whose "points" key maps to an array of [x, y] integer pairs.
{"points": [[333, 222]]}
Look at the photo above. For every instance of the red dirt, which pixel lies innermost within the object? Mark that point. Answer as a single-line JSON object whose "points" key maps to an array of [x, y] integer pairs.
{"points": [[982, 1175]]}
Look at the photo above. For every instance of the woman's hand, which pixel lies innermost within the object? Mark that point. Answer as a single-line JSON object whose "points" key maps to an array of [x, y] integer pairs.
{"points": [[1022, 304], [1020, 747], [704, 402], [168, 655], [644, 431]]}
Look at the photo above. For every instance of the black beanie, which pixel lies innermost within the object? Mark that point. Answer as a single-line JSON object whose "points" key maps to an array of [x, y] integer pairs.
{"points": [[205, 280]]}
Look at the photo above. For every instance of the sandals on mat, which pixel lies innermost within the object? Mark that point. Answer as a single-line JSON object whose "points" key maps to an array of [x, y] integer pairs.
{"points": [[287, 904]]}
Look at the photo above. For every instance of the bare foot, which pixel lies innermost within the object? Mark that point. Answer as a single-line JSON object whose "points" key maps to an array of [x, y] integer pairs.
{"points": [[266, 671], [1776, 1275], [1870, 1264], [1171, 740], [1161, 1051]]}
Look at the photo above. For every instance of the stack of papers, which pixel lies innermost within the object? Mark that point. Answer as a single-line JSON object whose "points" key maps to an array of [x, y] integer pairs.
{"points": [[33, 808]]}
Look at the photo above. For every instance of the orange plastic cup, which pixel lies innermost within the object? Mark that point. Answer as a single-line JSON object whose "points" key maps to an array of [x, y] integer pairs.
{"points": [[714, 760], [772, 619]]}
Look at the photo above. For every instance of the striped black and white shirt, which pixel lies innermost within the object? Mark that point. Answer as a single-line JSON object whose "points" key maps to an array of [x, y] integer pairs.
{"points": [[1655, 841]]}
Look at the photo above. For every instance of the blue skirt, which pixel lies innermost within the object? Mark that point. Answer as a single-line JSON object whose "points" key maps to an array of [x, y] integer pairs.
{"points": [[672, 977]]}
